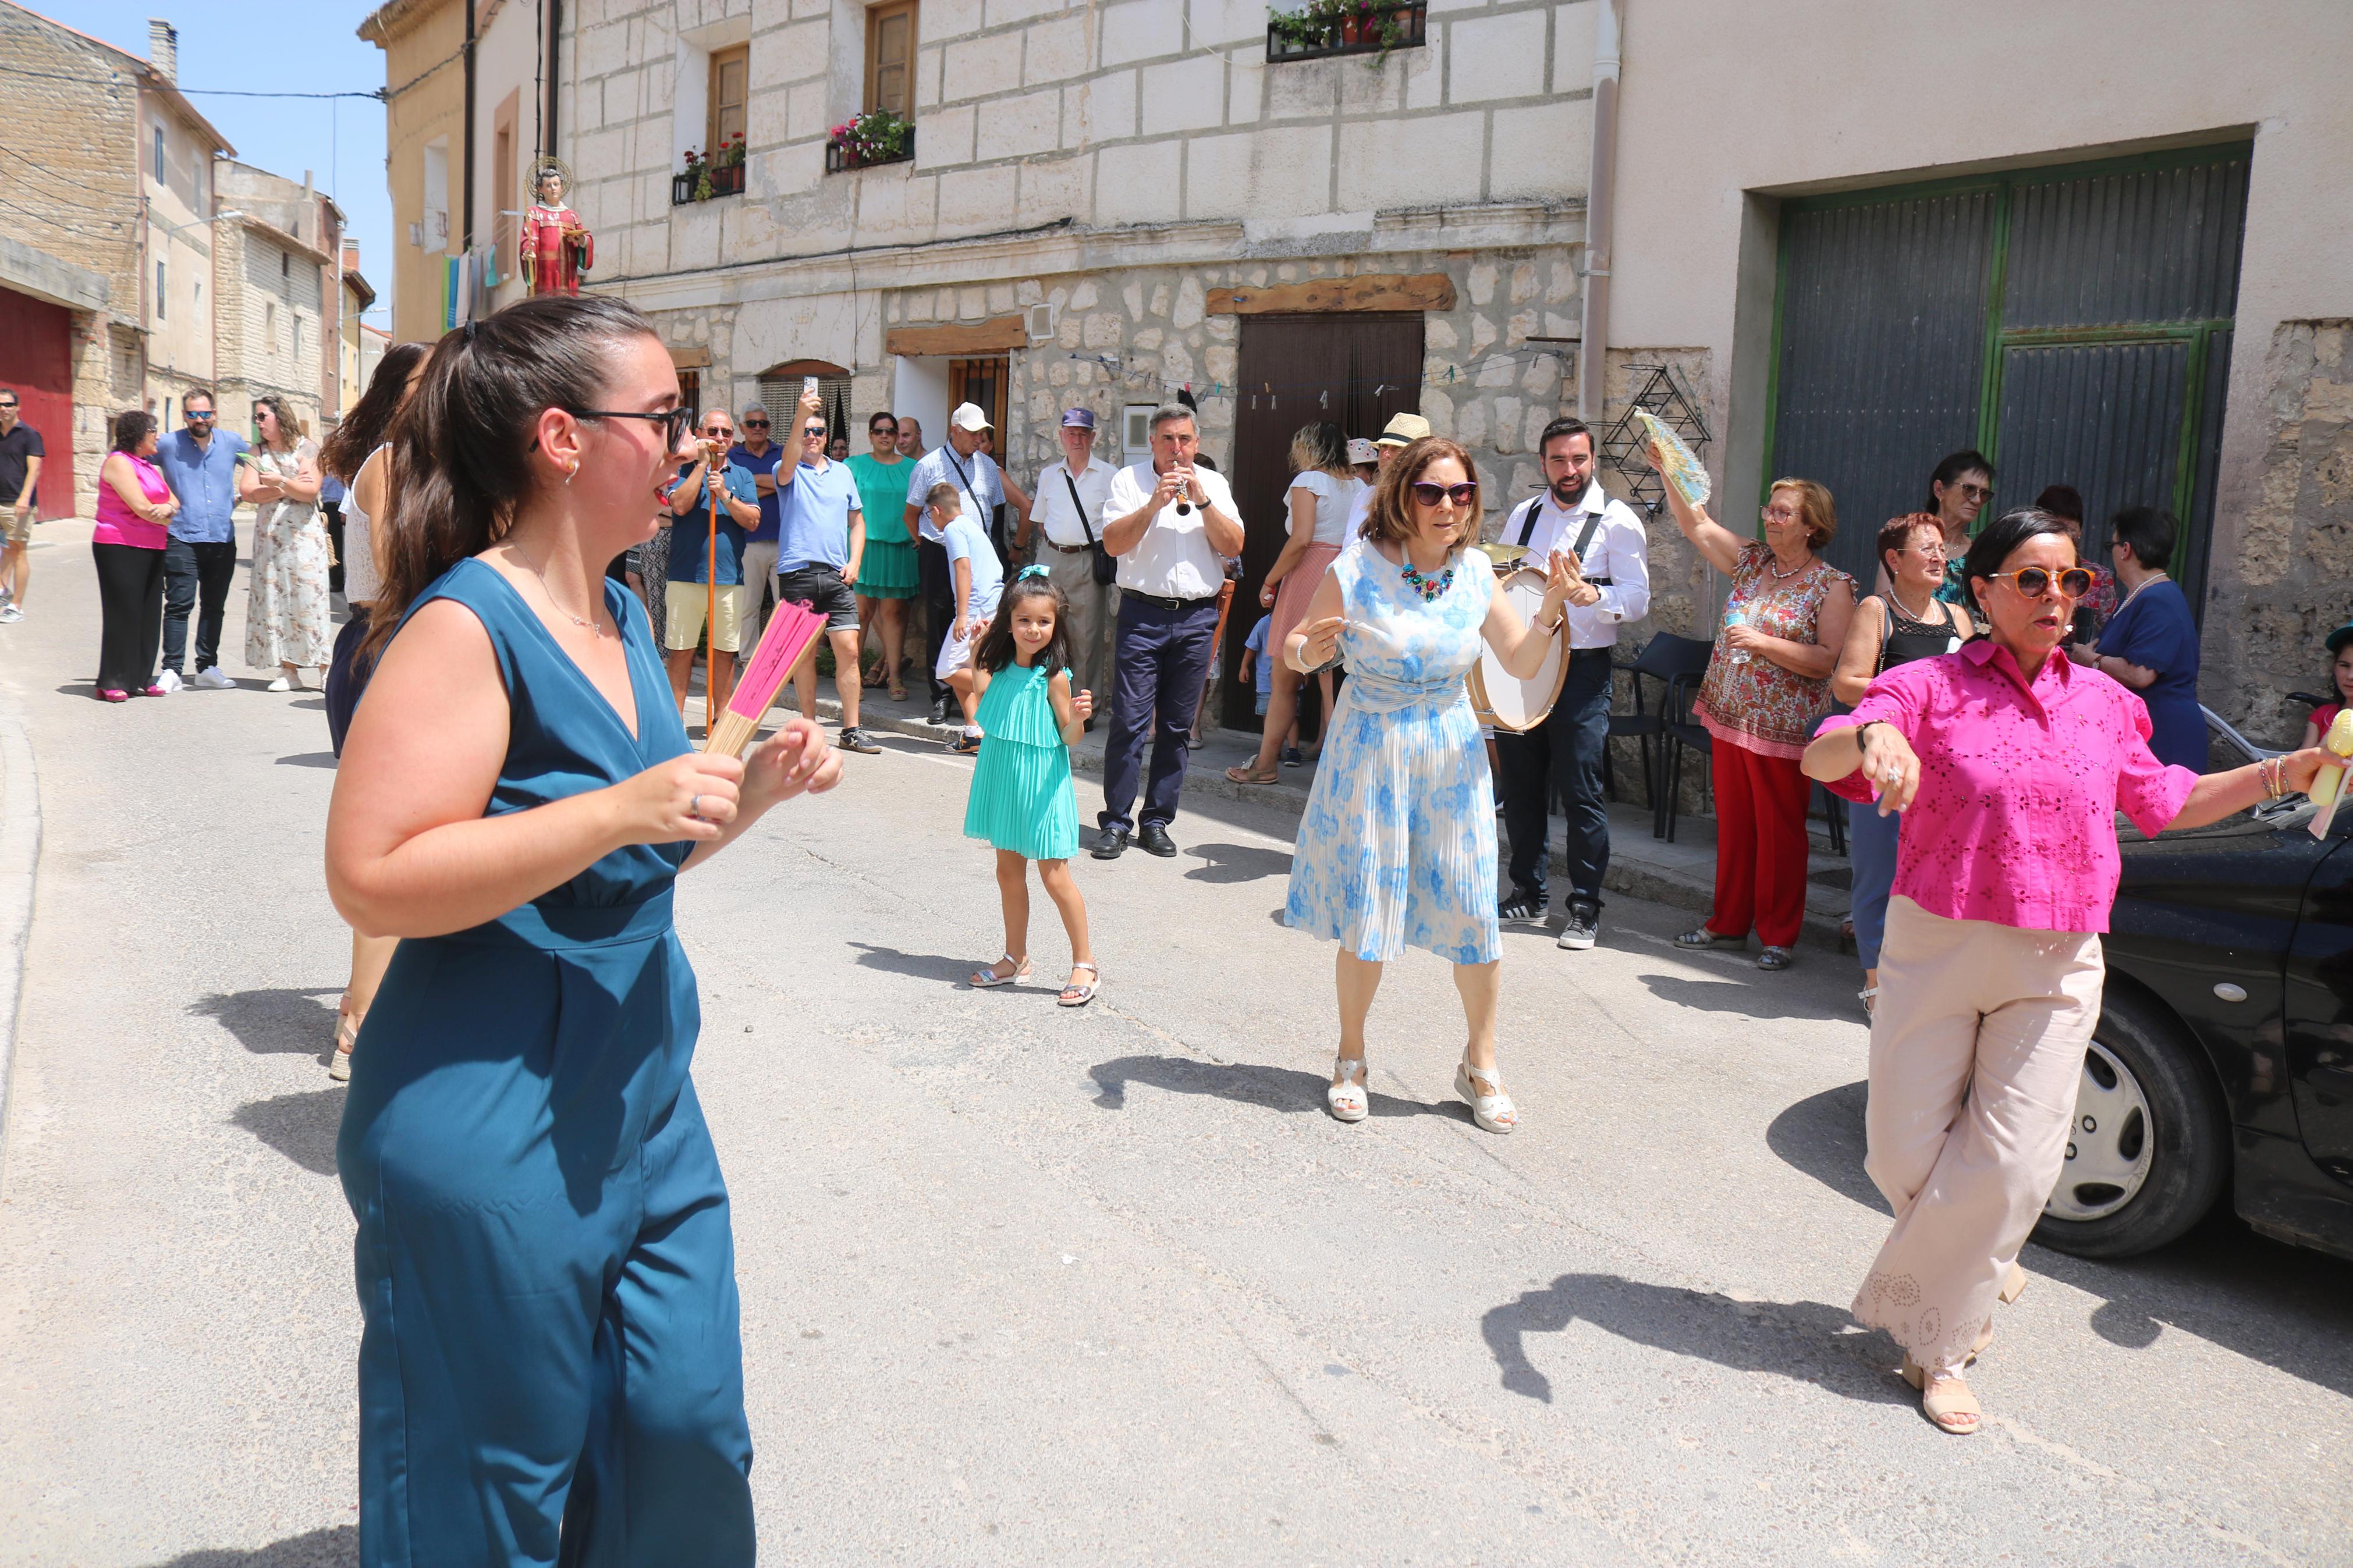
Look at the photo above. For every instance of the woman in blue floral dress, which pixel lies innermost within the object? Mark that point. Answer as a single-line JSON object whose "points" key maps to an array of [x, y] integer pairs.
{"points": [[1398, 847]]}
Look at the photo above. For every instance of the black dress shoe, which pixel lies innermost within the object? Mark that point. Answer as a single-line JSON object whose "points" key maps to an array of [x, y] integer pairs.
{"points": [[1154, 840], [1112, 844], [939, 710]]}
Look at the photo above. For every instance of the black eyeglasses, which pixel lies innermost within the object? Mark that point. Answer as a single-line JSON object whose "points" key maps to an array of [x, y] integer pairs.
{"points": [[756, 425], [675, 422], [1430, 494]]}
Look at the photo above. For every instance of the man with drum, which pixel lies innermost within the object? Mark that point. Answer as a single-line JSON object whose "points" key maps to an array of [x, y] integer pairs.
{"points": [[1563, 753]]}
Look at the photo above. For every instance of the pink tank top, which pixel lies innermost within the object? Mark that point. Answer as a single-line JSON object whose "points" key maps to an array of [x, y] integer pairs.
{"points": [[117, 523]]}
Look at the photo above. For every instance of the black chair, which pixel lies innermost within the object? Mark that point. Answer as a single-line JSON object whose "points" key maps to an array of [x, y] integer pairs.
{"points": [[1834, 817], [1679, 664], [1641, 725]]}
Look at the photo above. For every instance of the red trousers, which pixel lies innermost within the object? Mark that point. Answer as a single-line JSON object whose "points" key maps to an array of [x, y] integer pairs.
{"points": [[1760, 845]]}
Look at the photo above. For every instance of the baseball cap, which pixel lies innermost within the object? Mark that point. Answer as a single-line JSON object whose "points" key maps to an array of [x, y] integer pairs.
{"points": [[1403, 430], [968, 417], [1078, 419], [1361, 451], [2340, 637]]}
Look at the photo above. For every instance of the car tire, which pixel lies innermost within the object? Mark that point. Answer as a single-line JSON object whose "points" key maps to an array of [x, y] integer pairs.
{"points": [[2189, 1137]]}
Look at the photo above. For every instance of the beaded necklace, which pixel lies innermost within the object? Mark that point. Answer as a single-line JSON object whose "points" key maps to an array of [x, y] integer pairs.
{"points": [[1430, 588]]}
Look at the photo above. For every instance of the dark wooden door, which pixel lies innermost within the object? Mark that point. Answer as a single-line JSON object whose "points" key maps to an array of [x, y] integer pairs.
{"points": [[1353, 371]]}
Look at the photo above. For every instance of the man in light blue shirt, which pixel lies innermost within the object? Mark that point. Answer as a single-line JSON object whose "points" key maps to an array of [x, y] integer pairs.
{"points": [[820, 541], [200, 555]]}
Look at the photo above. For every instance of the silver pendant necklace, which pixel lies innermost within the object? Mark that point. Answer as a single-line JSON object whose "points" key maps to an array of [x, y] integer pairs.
{"points": [[544, 588]]}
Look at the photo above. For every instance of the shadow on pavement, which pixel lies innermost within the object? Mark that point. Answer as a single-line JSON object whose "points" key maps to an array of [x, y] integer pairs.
{"points": [[1771, 998], [922, 965], [338, 1547], [302, 1127], [2286, 1307], [1286, 1090], [1237, 863], [307, 760], [285, 1021], [1746, 1336]]}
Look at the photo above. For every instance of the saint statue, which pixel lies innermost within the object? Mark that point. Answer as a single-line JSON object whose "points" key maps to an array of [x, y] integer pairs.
{"points": [[555, 249]]}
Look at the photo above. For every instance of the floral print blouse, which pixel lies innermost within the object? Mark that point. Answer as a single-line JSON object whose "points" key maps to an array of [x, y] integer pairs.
{"points": [[1747, 699]]}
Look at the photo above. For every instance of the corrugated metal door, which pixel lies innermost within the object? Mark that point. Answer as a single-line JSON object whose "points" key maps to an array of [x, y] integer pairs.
{"points": [[2074, 324]]}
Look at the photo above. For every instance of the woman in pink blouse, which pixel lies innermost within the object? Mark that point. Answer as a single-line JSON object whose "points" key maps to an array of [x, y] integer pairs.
{"points": [[133, 506], [2009, 763], [1768, 684]]}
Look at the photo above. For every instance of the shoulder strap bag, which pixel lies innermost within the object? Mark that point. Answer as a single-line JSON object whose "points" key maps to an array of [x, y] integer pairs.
{"points": [[1106, 564]]}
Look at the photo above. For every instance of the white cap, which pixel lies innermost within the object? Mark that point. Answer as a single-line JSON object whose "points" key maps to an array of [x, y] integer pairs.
{"points": [[968, 417]]}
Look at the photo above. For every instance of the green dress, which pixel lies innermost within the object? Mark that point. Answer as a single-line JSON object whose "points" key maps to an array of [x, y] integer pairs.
{"points": [[887, 570], [1022, 798]]}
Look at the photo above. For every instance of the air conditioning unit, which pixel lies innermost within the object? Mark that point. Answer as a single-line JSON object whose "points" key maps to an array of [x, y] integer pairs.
{"points": [[1041, 322], [416, 235]]}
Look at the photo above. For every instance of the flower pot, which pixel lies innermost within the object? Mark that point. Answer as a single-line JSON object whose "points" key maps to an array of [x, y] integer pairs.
{"points": [[1351, 30]]}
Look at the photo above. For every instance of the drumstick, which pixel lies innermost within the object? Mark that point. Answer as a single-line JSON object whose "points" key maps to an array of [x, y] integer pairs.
{"points": [[791, 631]]}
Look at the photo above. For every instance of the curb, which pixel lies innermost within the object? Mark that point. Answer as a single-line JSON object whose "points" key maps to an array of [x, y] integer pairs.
{"points": [[1633, 879], [20, 853]]}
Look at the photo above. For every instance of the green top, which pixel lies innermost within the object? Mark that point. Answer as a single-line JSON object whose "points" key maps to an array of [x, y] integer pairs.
{"points": [[882, 496]]}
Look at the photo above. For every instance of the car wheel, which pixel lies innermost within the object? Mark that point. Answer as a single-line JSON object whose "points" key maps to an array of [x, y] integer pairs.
{"points": [[2150, 1146]]}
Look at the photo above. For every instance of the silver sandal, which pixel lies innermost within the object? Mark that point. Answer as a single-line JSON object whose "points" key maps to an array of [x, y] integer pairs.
{"points": [[1491, 1107], [1079, 995], [988, 979]]}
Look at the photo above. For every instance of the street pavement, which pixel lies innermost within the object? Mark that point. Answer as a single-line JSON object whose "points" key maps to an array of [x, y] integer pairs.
{"points": [[1026, 1285]]}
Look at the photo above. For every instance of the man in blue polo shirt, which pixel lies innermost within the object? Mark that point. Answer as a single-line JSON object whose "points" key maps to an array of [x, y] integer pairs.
{"points": [[820, 540], [688, 596], [200, 555]]}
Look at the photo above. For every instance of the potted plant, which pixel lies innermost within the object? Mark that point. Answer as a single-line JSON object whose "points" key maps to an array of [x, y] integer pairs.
{"points": [[731, 152]]}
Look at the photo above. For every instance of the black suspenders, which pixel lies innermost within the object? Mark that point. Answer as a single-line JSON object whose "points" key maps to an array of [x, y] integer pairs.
{"points": [[1584, 535]]}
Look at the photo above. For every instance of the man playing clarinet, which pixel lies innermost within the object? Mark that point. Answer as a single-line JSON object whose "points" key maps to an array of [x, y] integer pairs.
{"points": [[1563, 754]]}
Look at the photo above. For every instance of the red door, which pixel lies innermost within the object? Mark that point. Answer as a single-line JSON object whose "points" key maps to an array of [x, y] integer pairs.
{"points": [[35, 359]]}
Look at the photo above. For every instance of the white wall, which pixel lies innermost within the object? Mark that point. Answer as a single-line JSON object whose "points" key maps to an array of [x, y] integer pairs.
{"points": [[920, 387]]}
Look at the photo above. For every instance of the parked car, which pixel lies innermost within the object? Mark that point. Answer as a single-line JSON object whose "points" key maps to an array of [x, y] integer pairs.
{"points": [[2225, 1056]]}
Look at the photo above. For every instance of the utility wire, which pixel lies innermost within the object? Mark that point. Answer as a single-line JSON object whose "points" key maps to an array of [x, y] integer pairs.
{"points": [[122, 78]]}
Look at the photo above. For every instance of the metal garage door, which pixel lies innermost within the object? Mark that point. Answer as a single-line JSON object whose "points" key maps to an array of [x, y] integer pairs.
{"points": [[2072, 323]]}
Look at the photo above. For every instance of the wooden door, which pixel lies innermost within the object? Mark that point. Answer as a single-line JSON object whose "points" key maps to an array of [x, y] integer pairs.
{"points": [[1355, 371], [36, 360]]}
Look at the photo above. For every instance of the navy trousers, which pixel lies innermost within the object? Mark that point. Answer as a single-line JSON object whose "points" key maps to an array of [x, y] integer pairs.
{"points": [[1562, 755], [1160, 664]]}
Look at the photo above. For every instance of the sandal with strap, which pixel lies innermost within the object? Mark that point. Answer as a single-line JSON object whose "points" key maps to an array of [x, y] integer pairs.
{"points": [[1346, 1099], [1493, 1109], [1944, 1400], [1077, 993], [2014, 1285], [1244, 775], [1869, 997], [988, 979], [347, 1034]]}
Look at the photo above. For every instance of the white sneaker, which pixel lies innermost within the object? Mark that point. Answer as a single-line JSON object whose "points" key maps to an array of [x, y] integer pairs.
{"points": [[211, 680], [10, 613], [281, 684], [169, 680]]}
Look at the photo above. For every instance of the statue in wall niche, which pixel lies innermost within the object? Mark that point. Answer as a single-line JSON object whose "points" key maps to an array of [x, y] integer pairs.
{"points": [[555, 249]]}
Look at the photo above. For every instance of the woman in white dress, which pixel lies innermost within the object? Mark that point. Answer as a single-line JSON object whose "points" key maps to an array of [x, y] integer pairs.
{"points": [[1320, 498], [286, 613]]}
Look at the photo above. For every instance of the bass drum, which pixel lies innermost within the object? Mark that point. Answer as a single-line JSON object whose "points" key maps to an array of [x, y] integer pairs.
{"points": [[1505, 700]]}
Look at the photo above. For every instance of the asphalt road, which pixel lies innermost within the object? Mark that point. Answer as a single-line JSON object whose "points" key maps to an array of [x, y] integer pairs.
{"points": [[1023, 1285]]}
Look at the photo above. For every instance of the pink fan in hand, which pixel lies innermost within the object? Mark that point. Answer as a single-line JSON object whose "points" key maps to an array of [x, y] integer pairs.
{"points": [[791, 630]]}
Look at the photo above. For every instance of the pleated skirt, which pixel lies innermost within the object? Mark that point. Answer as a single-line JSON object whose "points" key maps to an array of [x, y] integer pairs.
{"points": [[1398, 845], [887, 570], [1022, 800]]}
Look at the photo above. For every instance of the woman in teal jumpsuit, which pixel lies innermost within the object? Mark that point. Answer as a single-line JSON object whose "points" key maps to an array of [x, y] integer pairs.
{"points": [[550, 1370]]}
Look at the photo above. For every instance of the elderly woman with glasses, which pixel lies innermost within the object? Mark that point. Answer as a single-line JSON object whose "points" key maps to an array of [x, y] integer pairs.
{"points": [[1767, 685], [2009, 763], [1397, 845]]}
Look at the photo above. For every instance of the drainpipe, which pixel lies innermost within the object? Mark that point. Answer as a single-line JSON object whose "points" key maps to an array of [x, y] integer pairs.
{"points": [[467, 244], [1600, 193], [554, 33]]}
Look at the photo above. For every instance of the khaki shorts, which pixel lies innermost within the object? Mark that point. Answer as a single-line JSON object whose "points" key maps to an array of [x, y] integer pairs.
{"points": [[686, 602], [15, 527]]}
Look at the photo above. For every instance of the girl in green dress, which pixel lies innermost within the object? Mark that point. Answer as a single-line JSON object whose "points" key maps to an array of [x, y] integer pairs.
{"points": [[1022, 801]]}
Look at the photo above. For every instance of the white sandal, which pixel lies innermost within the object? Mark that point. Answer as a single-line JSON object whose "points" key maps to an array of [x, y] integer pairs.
{"points": [[1869, 997], [1077, 993], [988, 979], [1493, 1110], [1346, 1099]]}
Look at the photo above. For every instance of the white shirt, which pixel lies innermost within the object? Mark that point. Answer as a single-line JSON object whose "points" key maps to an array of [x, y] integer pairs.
{"points": [[975, 478], [1051, 509], [1173, 559], [1359, 510], [1620, 551], [1335, 501]]}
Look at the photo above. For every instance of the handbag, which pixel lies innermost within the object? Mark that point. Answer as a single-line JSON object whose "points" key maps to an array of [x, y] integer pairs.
{"points": [[1106, 564]]}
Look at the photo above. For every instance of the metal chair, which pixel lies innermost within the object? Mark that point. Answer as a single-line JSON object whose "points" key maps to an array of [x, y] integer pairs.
{"points": [[1641, 725], [1681, 663], [1834, 810]]}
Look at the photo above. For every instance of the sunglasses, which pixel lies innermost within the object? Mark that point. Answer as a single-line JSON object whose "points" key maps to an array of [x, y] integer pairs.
{"points": [[756, 425], [196, 414], [812, 429], [1430, 494], [2033, 582], [1979, 493], [675, 422]]}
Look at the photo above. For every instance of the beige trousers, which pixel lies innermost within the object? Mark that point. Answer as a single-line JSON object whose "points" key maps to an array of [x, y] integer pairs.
{"points": [[1094, 612], [1977, 1049]]}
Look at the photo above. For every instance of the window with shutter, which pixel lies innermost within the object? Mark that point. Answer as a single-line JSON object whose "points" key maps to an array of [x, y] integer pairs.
{"points": [[731, 83], [891, 59]]}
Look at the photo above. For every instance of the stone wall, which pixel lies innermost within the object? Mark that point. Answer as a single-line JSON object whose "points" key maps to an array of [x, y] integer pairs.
{"points": [[2266, 624]]}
